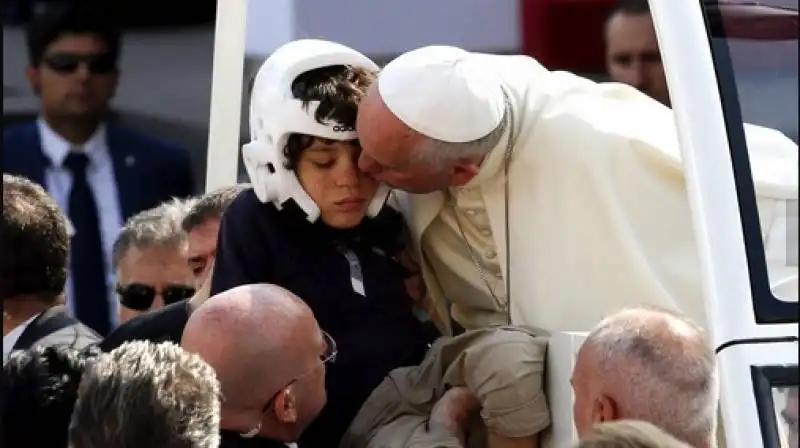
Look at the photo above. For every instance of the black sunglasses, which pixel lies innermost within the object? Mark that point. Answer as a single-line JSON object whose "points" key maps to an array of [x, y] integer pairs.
{"points": [[140, 297], [67, 63]]}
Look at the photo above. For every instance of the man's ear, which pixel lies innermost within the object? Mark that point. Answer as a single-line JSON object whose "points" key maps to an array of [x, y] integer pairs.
{"points": [[286, 406], [463, 172], [32, 75], [604, 409]]}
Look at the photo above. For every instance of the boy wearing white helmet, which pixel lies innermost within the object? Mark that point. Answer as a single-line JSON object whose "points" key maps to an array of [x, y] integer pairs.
{"points": [[316, 225]]}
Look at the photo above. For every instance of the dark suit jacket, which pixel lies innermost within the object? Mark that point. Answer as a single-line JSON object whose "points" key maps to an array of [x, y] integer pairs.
{"points": [[163, 324], [56, 327], [161, 170]]}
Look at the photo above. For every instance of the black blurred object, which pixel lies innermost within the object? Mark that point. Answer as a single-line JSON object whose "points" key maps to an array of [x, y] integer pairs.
{"points": [[131, 13], [751, 20]]}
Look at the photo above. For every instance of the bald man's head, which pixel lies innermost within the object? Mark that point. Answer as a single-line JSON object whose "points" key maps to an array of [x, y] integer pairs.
{"points": [[651, 365], [260, 339]]}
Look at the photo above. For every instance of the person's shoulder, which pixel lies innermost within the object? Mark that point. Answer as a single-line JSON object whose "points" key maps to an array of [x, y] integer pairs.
{"points": [[247, 207], [157, 326], [77, 335], [18, 132], [230, 439], [145, 142], [19, 128]]}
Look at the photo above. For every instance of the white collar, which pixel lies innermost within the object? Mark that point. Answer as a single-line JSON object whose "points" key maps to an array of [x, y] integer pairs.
{"points": [[12, 337], [55, 147]]}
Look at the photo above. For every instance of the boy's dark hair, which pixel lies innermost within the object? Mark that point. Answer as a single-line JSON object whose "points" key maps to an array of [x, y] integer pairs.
{"points": [[211, 205], [339, 89], [40, 386], [56, 19], [34, 241]]}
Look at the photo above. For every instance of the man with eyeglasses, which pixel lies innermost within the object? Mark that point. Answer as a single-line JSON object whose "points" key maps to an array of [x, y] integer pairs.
{"points": [[99, 172], [150, 260], [269, 355]]}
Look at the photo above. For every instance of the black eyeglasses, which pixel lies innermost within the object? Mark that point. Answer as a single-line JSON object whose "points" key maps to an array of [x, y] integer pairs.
{"points": [[139, 297], [67, 63], [326, 357]]}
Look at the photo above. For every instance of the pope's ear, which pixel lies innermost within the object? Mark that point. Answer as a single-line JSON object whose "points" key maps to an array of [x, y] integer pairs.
{"points": [[463, 171]]}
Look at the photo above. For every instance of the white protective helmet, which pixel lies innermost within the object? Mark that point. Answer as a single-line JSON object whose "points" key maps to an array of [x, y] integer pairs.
{"points": [[275, 114]]}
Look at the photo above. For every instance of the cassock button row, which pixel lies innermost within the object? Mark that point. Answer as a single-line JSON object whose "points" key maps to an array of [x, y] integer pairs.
{"points": [[491, 254]]}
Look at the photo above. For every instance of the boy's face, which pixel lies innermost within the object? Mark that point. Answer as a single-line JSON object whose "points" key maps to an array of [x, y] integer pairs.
{"points": [[329, 173]]}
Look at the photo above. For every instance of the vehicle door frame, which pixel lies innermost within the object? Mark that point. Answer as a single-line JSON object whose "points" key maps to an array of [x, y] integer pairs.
{"points": [[705, 130]]}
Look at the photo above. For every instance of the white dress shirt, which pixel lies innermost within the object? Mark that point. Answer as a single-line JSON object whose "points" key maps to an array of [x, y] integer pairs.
{"points": [[100, 175], [12, 337]]}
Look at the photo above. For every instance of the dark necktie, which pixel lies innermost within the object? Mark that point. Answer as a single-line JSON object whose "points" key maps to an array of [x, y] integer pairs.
{"points": [[87, 265]]}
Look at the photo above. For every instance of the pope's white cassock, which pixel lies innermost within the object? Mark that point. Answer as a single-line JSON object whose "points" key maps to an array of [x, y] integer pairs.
{"points": [[599, 214]]}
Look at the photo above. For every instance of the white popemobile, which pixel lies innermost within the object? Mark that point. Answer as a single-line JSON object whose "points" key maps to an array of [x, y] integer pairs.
{"points": [[726, 63]]}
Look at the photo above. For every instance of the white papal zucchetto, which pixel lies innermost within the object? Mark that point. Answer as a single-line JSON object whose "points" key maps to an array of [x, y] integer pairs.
{"points": [[444, 93]]}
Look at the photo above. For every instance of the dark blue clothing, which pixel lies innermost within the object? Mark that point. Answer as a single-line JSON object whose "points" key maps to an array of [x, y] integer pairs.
{"points": [[374, 333], [147, 172], [162, 170]]}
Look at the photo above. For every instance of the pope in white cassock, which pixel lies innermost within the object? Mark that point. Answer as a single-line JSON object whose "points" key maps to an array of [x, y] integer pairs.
{"points": [[543, 197]]}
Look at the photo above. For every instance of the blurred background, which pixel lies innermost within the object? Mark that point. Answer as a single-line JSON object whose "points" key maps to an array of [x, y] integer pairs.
{"points": [[167, 47], [167, 50]]}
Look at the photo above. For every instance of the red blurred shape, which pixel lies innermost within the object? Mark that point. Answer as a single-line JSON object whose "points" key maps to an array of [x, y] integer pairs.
{"points": [[565, 34]]}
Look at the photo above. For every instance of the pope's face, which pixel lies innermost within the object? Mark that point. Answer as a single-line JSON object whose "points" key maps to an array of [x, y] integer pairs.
{"points": [[389, 148], [402, 174]]}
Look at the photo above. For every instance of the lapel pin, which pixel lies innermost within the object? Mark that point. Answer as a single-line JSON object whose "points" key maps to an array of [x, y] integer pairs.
{"points": [[129, 161]]}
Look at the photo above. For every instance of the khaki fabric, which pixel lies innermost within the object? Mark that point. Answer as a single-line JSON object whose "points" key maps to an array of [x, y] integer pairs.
{"points": [[452, 254], [502, 366]]}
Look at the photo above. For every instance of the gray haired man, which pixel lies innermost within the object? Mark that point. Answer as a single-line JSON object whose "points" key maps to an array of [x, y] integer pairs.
{"points": [[200, 224], [649, 365], [150, 256], [147, 395]]}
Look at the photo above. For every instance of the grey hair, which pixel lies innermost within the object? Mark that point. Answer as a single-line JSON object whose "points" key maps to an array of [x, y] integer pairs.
{"points": [[144, 394], [211, 205], [438, 152], [629, 434], [667, 366], [156, 227]]}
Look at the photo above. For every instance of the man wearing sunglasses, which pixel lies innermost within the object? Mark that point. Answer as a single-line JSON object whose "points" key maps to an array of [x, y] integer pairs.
{"points": [[150, 259], [269, 354], [201, 224], [99, 172]]}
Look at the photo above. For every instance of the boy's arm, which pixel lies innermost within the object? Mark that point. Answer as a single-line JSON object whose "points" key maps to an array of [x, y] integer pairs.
{"points": [[243, 254]]}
